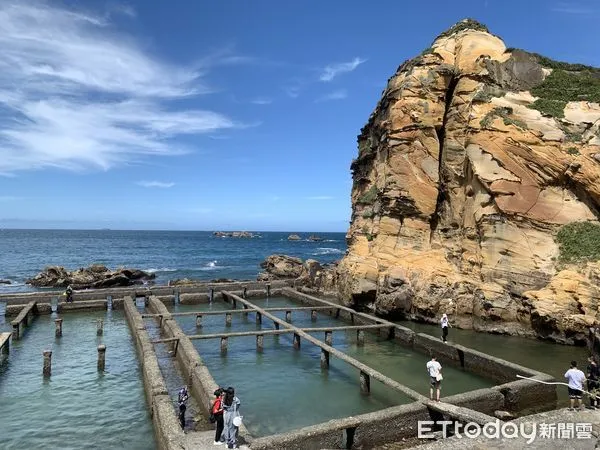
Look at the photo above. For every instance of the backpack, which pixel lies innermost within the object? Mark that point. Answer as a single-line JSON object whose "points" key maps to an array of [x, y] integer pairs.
{"points": [[214, 411]]}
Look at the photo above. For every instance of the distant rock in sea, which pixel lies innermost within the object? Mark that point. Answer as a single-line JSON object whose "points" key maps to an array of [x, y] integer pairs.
{"points": [[95, 276], [235, 234], [294, 237], [315, 238], [5, 281]]}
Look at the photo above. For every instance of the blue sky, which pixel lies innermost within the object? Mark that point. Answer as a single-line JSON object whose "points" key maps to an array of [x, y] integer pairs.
{"points": [[205, 115]]}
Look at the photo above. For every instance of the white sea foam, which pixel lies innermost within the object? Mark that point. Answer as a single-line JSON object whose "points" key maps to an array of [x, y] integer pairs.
{"points": [[328, 251], [162, 269]]}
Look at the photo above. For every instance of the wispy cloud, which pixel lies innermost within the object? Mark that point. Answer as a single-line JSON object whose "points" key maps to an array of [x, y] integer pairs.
{"points": [[155, 184], [261, 101], [333, 70], [8, 198], [340, 94], [573, 8], [76, 94], [199, 210], [320, 197]]}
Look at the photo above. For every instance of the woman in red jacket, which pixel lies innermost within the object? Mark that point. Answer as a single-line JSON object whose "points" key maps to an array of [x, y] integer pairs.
{"points": [[217, 410]]}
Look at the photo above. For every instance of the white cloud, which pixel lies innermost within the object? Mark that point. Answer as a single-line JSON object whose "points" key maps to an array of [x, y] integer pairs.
{"points": [[333, 70], [261, 101], [340, 94], [155, 184], [320, 197], [572, 8], [76, 94]]}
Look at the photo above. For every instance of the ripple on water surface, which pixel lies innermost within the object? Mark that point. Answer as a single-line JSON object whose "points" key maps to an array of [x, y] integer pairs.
{"points": [[283, 389], [77, 407]]}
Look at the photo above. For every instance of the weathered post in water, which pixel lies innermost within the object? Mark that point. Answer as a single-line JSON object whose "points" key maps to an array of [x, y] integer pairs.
{"points": [[101, 357], [268, 290], [223, 345], [211, 295], [99, 327], [288, 316], [328, 337], [198, 320], [258, 318], [259, 342], [58, 330], [365, 383], [16, 330], [324, 359], [228, 319], [360, 338], [296, 341], [313, 315], [245, 292], [47, 369]]}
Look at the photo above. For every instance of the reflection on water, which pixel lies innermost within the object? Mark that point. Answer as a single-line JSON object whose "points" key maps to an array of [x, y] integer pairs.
{"points": [[284, 389], [77, 407], [539, 355]]}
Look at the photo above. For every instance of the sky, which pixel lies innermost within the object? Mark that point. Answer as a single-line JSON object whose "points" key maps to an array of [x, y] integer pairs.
{"points": [[206, 115]]}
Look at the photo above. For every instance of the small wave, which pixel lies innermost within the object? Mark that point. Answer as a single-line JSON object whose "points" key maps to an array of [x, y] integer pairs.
{"points": [[211, 265], [331, 240], [162, 269], [328, 251]]}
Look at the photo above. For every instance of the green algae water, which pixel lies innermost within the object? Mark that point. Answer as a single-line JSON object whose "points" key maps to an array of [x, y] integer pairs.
{"points": [[283, 389], [547, 357], [77, 407]]}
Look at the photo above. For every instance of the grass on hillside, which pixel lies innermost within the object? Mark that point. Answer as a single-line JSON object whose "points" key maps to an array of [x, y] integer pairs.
{"points": [[579, 242]]}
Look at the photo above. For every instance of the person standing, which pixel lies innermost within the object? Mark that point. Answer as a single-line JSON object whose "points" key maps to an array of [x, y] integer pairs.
{"points": [[593, 381], [231, 407], [575, 378], [217, 411], [445, 325], [435, 377], [182, 399]]}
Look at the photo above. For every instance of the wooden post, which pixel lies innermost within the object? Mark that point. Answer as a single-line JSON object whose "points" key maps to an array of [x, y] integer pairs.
{"points": [[223, 345], [47, 369], [246, 309], [198, 320], [352, 317], [296, 341], [268, 290], [101, 357], [360, 338], [16, 331], [28, 318], [258, 318], [313, 315], [328, 337], [100, 327], [259, 342], [245, 292], [365, 383], [288, 316], [324, 359], [228, 319], [211, 295], [337, 313], [58, 324], [276, 325], [234, 303]]}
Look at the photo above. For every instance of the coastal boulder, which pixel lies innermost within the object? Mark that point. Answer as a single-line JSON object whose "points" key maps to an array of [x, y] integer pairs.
{"points": [[95, 276], [5, 281], [279, 267], [294, 237]]}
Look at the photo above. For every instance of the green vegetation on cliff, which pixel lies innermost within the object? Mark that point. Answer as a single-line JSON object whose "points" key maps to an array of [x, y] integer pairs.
{"points": [[566, 83], [579, 242], [505, 112], [369, 196], [465, 24]]}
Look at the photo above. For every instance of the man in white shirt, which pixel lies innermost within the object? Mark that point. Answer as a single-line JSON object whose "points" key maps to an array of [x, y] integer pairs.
{"points": [[435, 374], [575, 378]]}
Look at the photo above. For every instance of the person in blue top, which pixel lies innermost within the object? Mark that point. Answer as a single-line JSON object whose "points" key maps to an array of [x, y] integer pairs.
{"points": [[182, 399], [231, 407]]}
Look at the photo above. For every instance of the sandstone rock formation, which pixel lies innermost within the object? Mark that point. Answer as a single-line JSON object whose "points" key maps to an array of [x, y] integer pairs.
{"points": [[95, 276], [309, 274], [294, 237], [474, 158], [315, 238]]}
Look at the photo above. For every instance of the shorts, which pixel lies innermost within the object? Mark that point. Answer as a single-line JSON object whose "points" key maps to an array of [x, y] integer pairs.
{"points": [[575, 393], [434, 382]]}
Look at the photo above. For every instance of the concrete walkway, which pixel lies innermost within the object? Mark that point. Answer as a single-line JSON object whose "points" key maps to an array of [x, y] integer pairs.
{"points": [[204, 440], [556, 430]]}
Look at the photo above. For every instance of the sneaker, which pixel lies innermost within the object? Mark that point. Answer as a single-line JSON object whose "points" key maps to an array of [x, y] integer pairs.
{"points": [[217, 443]]}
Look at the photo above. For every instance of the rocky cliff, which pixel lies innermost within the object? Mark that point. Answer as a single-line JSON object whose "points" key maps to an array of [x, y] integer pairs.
{"points": [[475, 160]]}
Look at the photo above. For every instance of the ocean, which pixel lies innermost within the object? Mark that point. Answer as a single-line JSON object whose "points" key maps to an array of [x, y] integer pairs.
{"points": [[168, 254]]}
